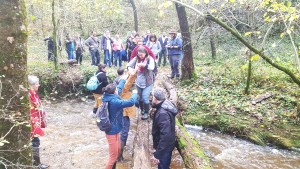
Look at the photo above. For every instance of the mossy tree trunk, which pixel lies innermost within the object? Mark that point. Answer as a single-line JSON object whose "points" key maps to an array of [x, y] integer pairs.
{"points": [[212, 40], [15, 147], [187, 66], [54, 34]]}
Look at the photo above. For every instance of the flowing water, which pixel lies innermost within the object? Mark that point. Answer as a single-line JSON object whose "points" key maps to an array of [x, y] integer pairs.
{"points": [[229, 152], [73, 141]]}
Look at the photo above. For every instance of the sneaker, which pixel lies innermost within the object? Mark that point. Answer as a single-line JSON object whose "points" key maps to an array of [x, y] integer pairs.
{"points": [[171, 76], [42, 166]]}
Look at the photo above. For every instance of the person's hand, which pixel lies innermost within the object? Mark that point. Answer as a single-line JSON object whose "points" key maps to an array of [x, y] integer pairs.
{"points": [[154, 160]]}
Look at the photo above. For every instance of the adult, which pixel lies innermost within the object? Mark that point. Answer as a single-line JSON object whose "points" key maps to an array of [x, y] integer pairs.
{"points": [[115, 109], [102, 78], [37, 120], [163, 53], [163, 129], [174, 52], [93, 43], [145, 78], [154, 45], [130, 44], [50, 45], [106, 46], [79, 48], [117, 47], [70, 47], [146, 37], [139, 42]]}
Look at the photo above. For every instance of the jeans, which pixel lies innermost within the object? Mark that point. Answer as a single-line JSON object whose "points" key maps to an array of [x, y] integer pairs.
{"points": [[144, 93], [165, 160], [125, 129], [163, 54], [70, 54], [107, 59], [174, 62], [50, 55], [117, 55], [113, 148], [95, 55], [79, 57]]}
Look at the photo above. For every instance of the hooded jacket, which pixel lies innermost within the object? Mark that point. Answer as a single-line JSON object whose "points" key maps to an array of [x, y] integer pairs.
{"points": [[163, 128], [115, 108]]}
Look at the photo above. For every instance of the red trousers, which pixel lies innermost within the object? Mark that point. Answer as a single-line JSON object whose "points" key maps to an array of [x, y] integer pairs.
{"points": [[114, 149]]}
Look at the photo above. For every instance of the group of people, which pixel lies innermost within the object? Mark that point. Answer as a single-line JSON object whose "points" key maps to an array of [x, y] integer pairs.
{"points": [[139, 75], [114, 52], [143, 53]]}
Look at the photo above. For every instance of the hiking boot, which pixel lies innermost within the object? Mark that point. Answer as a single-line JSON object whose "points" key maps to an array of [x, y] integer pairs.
{"points": [[145, 116]]}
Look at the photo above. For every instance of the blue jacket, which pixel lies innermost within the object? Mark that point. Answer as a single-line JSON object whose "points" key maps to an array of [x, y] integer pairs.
{"points": [[115, 107], [175, 42]]}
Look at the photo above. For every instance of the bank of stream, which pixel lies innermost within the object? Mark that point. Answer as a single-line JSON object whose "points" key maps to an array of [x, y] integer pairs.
{"points": [[72, 140]]}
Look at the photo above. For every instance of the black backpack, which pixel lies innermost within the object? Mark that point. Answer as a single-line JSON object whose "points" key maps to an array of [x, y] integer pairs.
{"points": [[102, 116]]}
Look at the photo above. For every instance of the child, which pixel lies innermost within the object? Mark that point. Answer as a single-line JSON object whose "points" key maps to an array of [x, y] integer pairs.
{"points": [[120, 72]]}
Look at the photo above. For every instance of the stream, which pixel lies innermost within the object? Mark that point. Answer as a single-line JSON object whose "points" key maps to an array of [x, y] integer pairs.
{"points": [[72, 140]]}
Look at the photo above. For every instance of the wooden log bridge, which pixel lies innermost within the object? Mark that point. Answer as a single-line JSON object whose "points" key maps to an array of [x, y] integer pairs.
{"points": [[189, 148]]}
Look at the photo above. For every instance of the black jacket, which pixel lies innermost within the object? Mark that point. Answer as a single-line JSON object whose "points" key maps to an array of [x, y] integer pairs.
{"points": [[102, 78], [163, 128]]}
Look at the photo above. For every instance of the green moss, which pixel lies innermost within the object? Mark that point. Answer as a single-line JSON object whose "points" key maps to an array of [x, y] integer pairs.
{"points": [[182, 143]]}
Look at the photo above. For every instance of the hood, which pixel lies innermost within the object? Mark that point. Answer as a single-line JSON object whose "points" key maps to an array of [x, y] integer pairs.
{"points": [[169, 106], [108, 97]]}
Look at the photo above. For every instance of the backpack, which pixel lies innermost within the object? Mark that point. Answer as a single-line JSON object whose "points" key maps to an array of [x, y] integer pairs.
{"points": [[93, 83], [102, 116]]}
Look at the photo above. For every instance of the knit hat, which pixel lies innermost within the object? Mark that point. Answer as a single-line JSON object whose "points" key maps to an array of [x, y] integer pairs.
{"points": [[159, 94]]}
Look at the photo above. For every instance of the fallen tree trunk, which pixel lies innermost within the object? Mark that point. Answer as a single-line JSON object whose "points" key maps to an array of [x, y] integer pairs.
{"points": [[141, 157], [189, 148]]}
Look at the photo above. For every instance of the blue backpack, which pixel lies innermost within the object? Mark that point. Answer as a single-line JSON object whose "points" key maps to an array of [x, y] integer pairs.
{"points": [[102, 117], [93, 83]]}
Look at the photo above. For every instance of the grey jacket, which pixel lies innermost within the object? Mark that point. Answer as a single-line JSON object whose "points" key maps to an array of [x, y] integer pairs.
{"points": [[93, 43]]}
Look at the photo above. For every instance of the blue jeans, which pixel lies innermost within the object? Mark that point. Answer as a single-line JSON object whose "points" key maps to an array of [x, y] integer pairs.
{"points": [[144, 93], [107, 56], [95, 57], [162, 54], [165, 160], [125, 129], [174, 62], [117, 55], [71, 54]]}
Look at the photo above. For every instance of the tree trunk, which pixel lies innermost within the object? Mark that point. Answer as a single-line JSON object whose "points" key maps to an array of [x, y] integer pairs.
{"points": [[212, 40], [189, 149], [136, 24], [141, 154], [54, 34], [15, 149], [187, 66]]}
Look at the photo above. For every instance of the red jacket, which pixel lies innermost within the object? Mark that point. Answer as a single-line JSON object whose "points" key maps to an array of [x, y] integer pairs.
{"points": [[134, 52], [37, 114]]}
